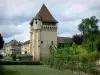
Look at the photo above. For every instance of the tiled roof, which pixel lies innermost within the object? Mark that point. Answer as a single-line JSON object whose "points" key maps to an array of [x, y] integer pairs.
{"points": [[60, 40], [27, 42], [44, 15], [13, 42]]}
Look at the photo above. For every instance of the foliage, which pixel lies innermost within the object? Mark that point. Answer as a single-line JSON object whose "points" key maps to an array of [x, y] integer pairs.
{"points": [[89, 28], [91, 46], [94, 56], [97, 43], [13, 57], [73, 49], [83, 51], [76, 58], [52, 55], [1, 42], [20, 63], [80, 56], [25, 58], [78, 39]]}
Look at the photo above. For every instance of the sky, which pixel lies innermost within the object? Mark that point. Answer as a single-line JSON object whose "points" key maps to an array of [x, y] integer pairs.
{"points": [[15, 16]]}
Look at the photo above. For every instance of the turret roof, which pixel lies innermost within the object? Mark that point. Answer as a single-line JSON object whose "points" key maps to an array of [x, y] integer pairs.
{"points": [[44, 15]]}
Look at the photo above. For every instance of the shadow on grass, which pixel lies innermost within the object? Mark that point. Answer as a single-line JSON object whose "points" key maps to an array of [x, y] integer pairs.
{"points": [[4, 71]]}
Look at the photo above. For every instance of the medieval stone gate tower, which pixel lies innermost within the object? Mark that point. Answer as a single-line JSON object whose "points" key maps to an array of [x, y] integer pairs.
{"points": [[43, 31]]}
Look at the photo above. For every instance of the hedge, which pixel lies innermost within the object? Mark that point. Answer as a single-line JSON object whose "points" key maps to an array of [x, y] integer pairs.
{"points": [[19, 63]]}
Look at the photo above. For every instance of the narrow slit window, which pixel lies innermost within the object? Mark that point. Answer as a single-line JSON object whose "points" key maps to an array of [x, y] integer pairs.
{"points": [[36, 22], [41, 42]]}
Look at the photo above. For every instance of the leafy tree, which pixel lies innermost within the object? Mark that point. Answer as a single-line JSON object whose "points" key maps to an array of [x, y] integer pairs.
{"points": [[78, 39], [98, 45], [1, 45], [89, 28], [1, 56], [1, 42]]}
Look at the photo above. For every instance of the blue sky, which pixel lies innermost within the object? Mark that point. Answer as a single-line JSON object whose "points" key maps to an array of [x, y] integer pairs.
{"points": [[15, 16]]}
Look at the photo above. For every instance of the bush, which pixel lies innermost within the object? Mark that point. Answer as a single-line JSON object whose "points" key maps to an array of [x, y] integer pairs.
{"points": [[13, 57], [19, 63], [25, 58], [94, 56]]}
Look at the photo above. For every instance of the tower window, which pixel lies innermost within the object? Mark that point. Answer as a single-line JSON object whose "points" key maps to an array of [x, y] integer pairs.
{"points": [[36, 22], [41, 42]]}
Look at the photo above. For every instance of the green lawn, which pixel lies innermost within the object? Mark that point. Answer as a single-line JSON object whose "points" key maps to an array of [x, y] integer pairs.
{"points": [[31, 70]]}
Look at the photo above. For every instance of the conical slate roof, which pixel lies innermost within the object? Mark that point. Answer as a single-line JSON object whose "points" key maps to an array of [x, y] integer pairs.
{"points": [[44, 15]]}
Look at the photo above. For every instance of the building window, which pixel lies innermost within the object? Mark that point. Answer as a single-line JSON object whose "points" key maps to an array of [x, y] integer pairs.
{"points": [[25, 52], [41, 42]]}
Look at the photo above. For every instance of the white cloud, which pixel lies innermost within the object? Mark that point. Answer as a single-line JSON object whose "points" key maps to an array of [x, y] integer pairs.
{"points": [[67, 34], [16, 14], [24, 35]]}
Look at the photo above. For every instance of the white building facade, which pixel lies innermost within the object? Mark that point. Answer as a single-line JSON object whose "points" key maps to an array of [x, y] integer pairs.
{"points": [[43, 32]]}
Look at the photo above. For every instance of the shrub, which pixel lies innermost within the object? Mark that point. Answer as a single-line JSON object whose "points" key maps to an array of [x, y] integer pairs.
{"points": [[19, 63], [13, 57], [25, 58], [93, 56]]}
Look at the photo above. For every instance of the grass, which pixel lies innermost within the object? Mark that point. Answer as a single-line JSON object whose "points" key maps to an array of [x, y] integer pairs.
{"points": [[31, 70]]}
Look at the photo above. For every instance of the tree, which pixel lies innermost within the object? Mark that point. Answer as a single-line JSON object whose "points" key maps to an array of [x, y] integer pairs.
{"points": [[98, 45], [1, 45], [89, 28], [78, 39], [1, 42]]}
